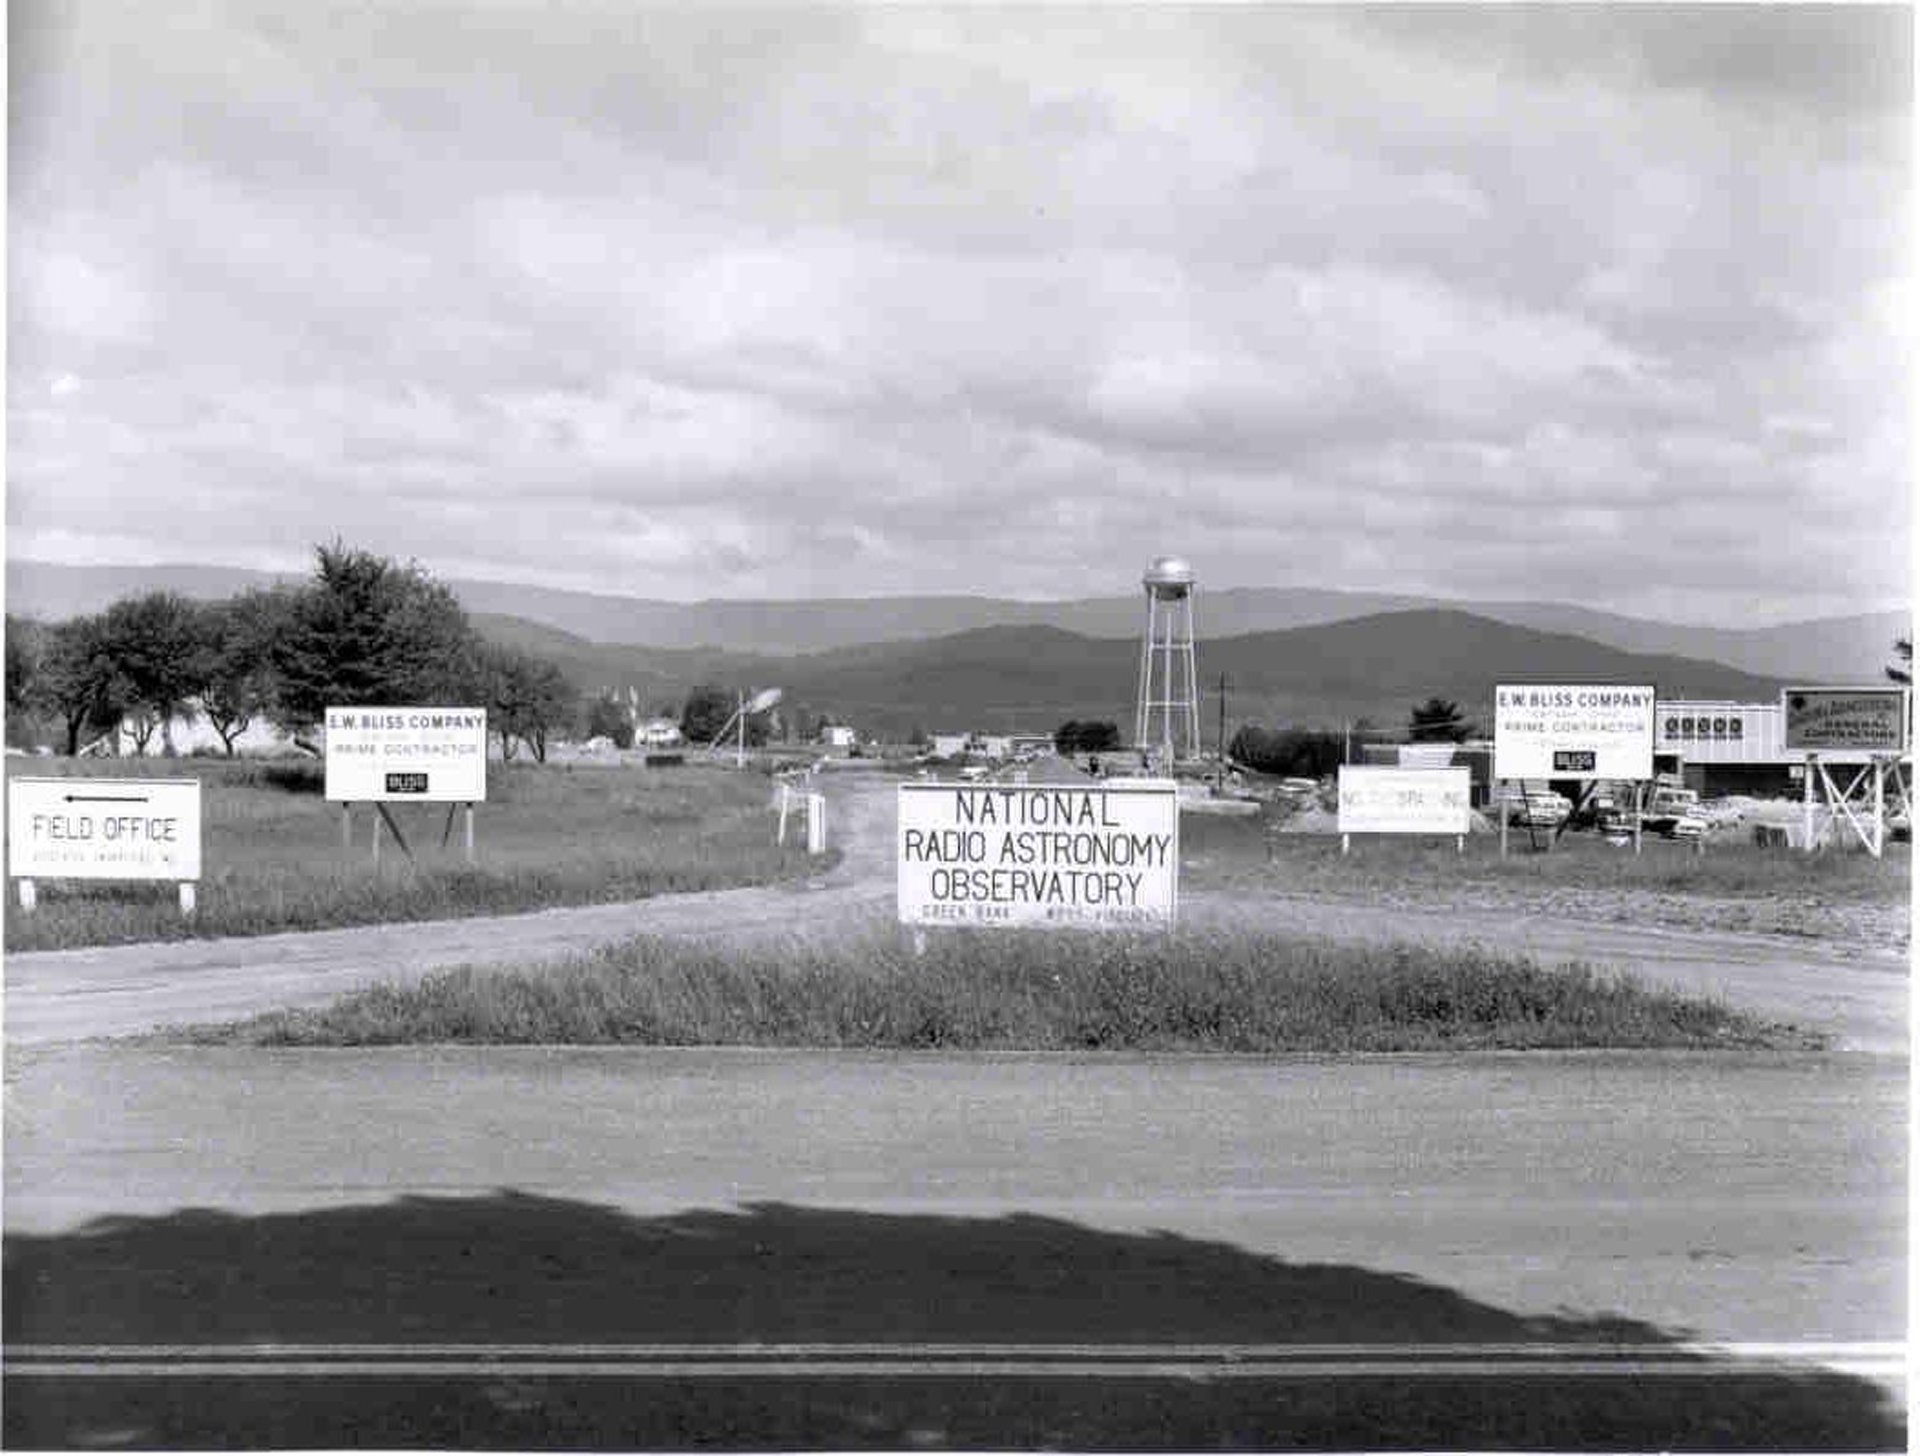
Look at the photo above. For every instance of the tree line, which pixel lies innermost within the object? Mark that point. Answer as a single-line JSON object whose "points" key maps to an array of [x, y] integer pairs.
{"points": [[363, 631]]}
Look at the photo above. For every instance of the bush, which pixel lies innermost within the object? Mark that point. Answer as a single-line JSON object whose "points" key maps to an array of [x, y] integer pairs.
{"points": [[1290, 752]]}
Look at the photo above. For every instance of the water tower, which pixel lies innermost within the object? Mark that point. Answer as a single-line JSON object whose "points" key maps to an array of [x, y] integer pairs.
{"points": [[1169, 681]]}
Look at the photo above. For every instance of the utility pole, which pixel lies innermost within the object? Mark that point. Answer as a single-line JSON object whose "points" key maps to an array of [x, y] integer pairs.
{"points": [[1220, 749]]}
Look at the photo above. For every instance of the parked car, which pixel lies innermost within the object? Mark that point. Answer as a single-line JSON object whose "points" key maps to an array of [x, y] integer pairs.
{"points": [[1674, 812], [1684, 826]]}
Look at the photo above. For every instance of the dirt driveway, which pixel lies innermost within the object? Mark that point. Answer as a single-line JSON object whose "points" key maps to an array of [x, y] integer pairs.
{"points": [[1858, 995]]}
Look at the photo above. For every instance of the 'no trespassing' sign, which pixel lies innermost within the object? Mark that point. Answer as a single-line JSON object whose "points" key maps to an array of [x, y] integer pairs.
{"points": [[1048, 855]]}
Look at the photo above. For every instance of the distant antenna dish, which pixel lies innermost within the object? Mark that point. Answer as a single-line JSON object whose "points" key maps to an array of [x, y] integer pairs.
{"points": [[763, 700]]}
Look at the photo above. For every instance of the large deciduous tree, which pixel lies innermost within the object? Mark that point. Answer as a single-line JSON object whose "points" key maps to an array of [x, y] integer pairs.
{"points": [[1299, 752], [526, 697], [158, 642], [79, 680], [1090, 736], [26, 643], [608, 717], [240, 634], [708, 710], [365, 632]]}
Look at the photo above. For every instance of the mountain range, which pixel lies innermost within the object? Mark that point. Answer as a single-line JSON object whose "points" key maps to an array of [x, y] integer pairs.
{"points": [[1033, 678], [1837, 649]]}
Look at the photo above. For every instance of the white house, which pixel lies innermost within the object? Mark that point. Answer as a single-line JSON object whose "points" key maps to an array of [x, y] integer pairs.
{"points": [[259, 737], [658, 733], [837, 735]]}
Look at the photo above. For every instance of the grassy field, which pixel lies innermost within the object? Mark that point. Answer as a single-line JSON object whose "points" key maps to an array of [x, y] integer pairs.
{"points": [[1240, 849], [1733, 885], [1011, 990], [273, 859]]}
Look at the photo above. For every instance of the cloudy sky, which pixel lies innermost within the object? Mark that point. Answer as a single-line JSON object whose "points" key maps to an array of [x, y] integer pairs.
{"points": [[1602, 305]]}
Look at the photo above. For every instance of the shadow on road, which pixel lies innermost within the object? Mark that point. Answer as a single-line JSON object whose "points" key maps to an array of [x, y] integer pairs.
{"points": [[518, 1270]]}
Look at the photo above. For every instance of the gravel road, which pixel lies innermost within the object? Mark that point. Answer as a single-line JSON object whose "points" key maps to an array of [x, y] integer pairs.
{"points": [[1855, 993]]}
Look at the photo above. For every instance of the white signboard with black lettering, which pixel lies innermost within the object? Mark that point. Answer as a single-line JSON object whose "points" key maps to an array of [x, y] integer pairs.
{"points": [[103, 829], [1382, 800], [1103, 856], [1579, 731], [426, 755]]}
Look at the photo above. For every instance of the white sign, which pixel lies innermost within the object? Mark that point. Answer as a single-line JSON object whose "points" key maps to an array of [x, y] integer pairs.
{"points": [[1586, 731], [1053, 854], [434, 755], [103, 829], [1382, 800], [1869, 719]]}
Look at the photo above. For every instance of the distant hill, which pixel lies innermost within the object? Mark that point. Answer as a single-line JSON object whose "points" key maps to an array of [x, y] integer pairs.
{"points": [[1034, 678], [1830, 650]]}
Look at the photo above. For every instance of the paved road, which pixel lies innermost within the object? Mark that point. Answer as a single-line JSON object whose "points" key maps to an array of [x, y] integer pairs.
{"points": [[1735, 1197], [496, 1225], [1858, 996]]}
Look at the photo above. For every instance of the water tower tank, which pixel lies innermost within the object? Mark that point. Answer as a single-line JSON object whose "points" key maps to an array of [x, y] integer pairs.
{"points": [[1169, 699], [1168, 577]]}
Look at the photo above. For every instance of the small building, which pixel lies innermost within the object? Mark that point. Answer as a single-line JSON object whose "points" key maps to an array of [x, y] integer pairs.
{"points": [[951, 745], [196, 735], [659, 733], [837, 735], [1719, 747]]}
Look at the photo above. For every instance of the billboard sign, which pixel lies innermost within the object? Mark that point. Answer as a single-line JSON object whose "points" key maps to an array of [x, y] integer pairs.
{"points": [[1578, 731], [430, 755], [1047, 855], [1863, 719], [103, 829], [1381, 800]]}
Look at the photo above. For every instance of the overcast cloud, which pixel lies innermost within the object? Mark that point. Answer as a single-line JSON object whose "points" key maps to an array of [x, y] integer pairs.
{"points": [[1604, 305]]}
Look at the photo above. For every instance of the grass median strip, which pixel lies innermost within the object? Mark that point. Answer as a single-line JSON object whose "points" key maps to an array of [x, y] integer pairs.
{"points": [[1016, 991]]}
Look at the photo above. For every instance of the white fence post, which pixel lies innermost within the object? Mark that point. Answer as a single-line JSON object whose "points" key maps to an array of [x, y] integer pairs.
{"points": [[816, 823]]}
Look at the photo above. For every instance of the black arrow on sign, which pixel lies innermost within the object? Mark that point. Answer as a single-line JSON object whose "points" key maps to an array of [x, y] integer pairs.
{"points": [[106, 799]]}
